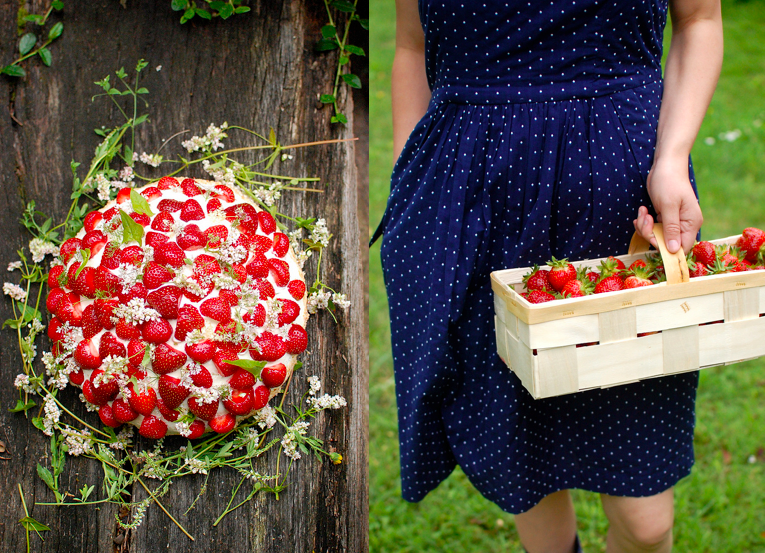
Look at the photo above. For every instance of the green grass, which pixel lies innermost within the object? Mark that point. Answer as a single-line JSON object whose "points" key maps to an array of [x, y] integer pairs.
{"points": [[721, 506]]}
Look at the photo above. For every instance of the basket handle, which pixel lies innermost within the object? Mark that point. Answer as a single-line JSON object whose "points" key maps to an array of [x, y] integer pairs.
{"points": [[675, 264]]}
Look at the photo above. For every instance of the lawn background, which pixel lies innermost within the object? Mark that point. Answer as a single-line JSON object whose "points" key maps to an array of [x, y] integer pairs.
{"points": [[721, 506]]}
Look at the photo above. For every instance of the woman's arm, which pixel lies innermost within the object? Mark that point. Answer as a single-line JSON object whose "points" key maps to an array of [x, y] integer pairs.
{"points": [[690, 76], [410, 93]]}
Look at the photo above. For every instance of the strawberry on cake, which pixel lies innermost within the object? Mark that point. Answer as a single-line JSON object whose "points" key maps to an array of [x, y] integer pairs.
{"points": [[178, 308]]}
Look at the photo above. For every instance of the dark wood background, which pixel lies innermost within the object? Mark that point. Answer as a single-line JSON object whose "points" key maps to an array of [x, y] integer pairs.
{"points": [[255, 70]]}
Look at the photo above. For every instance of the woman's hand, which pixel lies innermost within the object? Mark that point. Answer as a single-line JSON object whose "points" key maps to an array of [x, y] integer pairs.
{"points": [[676, 206]]}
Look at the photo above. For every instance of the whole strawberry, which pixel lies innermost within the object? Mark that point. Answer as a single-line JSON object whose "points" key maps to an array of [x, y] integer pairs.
{"points": [[609, 284], [752, 243], [561, 271], [704, 253], [637, 278], [537, 279], [538, 296], [578, 287]]}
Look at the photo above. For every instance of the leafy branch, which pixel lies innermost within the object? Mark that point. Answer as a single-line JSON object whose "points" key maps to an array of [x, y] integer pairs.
{"points": [[29, 40], [214, 8]]}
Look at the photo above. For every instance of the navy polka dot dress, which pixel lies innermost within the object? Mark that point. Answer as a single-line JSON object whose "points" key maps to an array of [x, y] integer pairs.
{"points": [[537, 143]]}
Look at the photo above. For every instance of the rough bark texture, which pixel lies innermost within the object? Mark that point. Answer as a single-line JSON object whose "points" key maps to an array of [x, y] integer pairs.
{"points": [[256, 70]]}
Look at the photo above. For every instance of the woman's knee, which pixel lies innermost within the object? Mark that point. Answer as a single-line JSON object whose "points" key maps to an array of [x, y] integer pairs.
{"points": [[645, 522]]}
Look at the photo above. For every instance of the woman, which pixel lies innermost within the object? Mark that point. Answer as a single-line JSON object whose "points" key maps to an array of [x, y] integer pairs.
{"points": [[538, 130]]}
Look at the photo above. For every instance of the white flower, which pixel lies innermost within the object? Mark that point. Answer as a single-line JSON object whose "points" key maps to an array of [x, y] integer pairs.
{"points": [[22, 383], [40, 248], [52, 414], [127, 273], [286, 157], [104, 187], [78, 442], [15, 291], [159, 68], [340, 301], [196, 466], [134, 311], [315, 385], [302, 257], [126, 173], [13, 265], [317, 300], [183, 428], [266, 417], [268, 196], [210, 141], [320, 233], [326, 402], [291, 437], [124, 438], [149, 159]]}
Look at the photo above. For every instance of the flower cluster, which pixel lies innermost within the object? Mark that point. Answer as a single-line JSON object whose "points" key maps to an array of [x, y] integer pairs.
{"points": [[15, 291], [293, 437], [210, 142], [135, 312]]}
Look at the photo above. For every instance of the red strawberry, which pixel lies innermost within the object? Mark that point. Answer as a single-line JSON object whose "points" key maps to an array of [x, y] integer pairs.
{"points": [[155, 275], [153, 428], [196, 429], [752, 243], [537, 279], [70, 309], [171, 391], [538, 296], [56, 273], [637, 278], [77, 377], [167, 359], [213, 205], [98, 395], [281, 271], [138, 290], [154, 239], [104, 311], [244, 216], [166, 183], [165, 300], [189, 188], [242, 379], [609, 284], [225, 353], [169, 253], [201, 352], [112, 256], [704, 252], [578, 287], [204, 411], [136, 351], [132, 255], [151, 193], [264, 287], [216, 235], [86, 355], [262, 395], [258, 267], [205, 266], [54, 298], [270, 347], [266, 222], [95, 240], [296, 288], [91, 220], [217, 309], [224, 193], [191, 238], [255, 243], [140, 218], [223, 423], [610, 267], [170, 414], [297, 339], [229, 297], [240, 402], [90, 323], [696, 268], [201, 377], [123, 195], [638, 263], [109, 345], [281, 244], [169, 206], [122, 411], [105, 412], [561, 271], [257, 317], [143, 402], [85, 284], [274, 375], [156, 331], [126, 330], [69, 248], [290, 311], [105, 281], [192, 211], [188, 320], [54, 330], [163, 221]]}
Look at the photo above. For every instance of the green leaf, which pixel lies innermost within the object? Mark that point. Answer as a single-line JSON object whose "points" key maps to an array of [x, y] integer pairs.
{"points": [[31, 524], [38, 19], [141, 65], [140, 119], [188, 14], [57, 5], [364, 23], [226, 11], [327, 99], [242, 9], [343, 6], [354, 50], [217, 5], [38, 423], [325, 45], [12, 323], [179, 5], [140, 204], [26, 43], [44, 54], [204, 14], [13, 71], [21, 406], [253, 367], [85, 258], [352, 80], [339, 118], [343, 60], [131, 231], [328, 31], [56, 31], [272, 137], [142, 90], [46, 476]]}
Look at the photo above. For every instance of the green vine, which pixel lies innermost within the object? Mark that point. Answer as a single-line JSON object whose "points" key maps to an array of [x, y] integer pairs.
{"points": [[208, 9], [333, 39], [28, 43]]}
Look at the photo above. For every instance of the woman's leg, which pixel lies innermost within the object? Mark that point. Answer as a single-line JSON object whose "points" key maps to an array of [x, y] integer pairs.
{"points": [[549, 526], [640, 524]]}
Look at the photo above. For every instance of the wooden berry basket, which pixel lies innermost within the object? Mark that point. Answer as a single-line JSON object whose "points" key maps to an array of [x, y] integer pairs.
{"points": [[604, 340]]}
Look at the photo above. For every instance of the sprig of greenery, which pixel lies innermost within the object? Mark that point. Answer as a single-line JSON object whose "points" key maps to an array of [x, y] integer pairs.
{"points": [[29, 40], [214, 8], [332, 40]]}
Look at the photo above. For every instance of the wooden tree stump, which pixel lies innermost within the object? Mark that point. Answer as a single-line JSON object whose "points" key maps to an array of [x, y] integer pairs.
{"points": [[257, 70]]}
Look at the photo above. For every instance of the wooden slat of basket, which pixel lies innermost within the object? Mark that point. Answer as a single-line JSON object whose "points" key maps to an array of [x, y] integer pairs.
{"points": [[681, 349], [563, 332], [616, 326], [728, 342], [677, 313], [522, 363], [556, 372], [741, 305], [620, 362]]}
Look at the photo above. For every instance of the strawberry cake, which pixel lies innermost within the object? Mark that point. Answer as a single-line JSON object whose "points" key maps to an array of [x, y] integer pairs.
{"points": [[178, 308]]}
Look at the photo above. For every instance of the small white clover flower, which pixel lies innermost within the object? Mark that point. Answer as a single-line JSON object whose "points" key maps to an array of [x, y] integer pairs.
{"points": [[13, 265], [104, 187], [320, 233], [126, 173], [196, 466], [153, 160], [52, 414], [340, 301], [326, 402], [40, 248], [79, 442], [135, 311], [15, 291], [314, 384], [290, 439], [317, 300]]}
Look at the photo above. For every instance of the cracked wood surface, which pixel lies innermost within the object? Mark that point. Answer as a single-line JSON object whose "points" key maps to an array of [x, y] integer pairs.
{"points": [[257, 70]]}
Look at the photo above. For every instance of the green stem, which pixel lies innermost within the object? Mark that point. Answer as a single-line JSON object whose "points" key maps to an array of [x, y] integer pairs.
{"points": [[227, 510], [26, 513], [32, 53]]}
